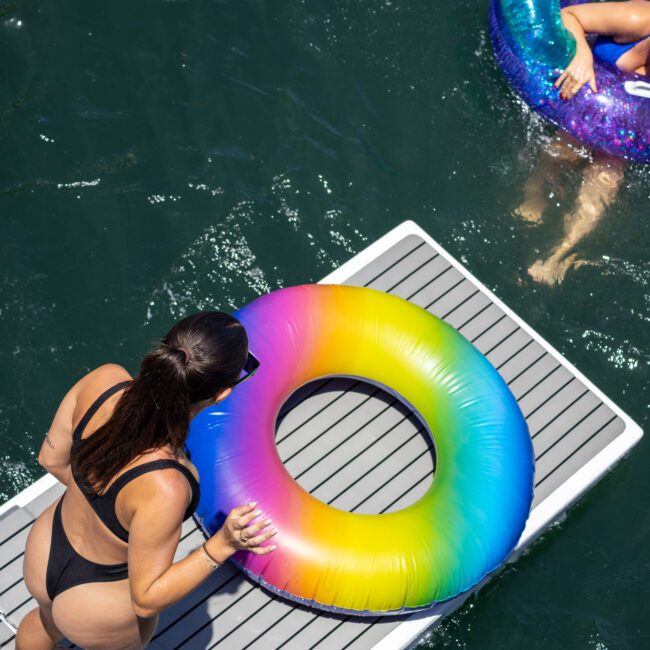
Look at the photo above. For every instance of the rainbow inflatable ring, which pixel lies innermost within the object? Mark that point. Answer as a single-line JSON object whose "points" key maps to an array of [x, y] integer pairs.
{"points": [[532, 47], [465, 525]]}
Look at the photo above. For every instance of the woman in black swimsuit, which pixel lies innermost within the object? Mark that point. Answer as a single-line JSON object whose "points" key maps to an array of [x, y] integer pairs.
{"points": [[99, 560]]}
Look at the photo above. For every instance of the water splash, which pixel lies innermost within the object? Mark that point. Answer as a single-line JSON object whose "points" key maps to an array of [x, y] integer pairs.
{"points": [[218, 269]]}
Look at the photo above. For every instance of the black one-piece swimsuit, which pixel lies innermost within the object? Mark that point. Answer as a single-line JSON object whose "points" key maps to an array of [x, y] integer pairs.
{"points": [[65, 567]]}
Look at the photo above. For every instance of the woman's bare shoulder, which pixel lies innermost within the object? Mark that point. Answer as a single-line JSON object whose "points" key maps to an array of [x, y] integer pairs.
{"points": [[161, 494], [108, 372], [103, 377], [94, 383]]}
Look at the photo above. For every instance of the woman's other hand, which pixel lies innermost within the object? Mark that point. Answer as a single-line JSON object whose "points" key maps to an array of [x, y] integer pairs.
{"points": [[578, 73]]}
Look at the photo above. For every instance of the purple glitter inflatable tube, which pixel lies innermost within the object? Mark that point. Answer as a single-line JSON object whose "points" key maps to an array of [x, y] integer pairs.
{"points": [[532, 48]]}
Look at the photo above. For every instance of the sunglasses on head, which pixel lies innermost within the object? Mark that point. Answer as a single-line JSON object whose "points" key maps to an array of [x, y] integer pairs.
{"points": [[251, 365]]}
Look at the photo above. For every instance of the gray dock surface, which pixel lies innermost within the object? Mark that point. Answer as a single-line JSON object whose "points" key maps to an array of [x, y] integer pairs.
{"points": [[358, 448]]}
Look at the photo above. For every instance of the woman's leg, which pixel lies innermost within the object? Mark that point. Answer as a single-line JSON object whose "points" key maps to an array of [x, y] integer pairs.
{"points": [[37, 630], [636, 58], [600, 183], [553, 157]]}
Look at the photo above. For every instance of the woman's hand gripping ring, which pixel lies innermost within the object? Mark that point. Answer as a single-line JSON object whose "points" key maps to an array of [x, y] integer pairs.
{"points": [[251, 534]]}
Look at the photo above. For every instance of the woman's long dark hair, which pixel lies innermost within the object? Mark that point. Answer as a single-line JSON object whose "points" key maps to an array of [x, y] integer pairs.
{"points": [[154, 409]]}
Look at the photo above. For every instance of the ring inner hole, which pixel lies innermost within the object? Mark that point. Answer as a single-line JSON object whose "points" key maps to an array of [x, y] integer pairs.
{"points": [[355, 446]]}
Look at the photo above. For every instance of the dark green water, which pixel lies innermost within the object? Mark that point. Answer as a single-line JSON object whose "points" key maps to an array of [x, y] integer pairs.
{"points": [[164, 157]]}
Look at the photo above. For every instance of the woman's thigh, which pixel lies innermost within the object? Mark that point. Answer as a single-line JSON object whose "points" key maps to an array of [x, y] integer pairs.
{"points": [[636, 57], [37, 551], [99, 616]]}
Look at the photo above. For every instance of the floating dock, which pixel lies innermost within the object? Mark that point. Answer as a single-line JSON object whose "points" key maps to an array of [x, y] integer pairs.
{"points": [[359, 449]]}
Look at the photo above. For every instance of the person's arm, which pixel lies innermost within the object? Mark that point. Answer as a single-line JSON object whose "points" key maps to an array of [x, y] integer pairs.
{"points": [[154, 533], [54, 455], [580, 70], [630, 20]]}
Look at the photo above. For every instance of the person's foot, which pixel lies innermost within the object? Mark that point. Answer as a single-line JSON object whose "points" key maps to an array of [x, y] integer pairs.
{"points": [[531, 210], [535, 202], [552, 270]]}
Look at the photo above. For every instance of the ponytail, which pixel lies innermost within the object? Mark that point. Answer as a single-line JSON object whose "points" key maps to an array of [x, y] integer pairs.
{"points": [[201, 355]]}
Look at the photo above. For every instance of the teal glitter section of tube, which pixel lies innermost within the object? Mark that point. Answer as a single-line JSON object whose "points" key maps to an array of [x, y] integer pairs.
{"points": [[537, 31]]}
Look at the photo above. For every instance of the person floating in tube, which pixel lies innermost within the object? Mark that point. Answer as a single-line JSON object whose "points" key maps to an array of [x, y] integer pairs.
{"points": [[623, 39]]}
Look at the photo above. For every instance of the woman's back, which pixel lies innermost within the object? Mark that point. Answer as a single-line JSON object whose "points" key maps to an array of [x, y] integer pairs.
{"points": [[88, 534]]}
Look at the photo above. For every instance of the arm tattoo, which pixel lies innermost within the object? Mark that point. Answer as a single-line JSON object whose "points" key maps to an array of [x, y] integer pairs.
{"points": [[49, 441]]}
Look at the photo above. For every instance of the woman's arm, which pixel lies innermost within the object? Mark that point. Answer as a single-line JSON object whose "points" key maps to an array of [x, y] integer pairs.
{"points": [[54, 455], [581, 68], [154, 534], [629, 20]]}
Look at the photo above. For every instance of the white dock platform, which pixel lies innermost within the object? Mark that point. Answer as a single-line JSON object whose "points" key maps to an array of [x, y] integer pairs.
{"points": [[356, 447]]}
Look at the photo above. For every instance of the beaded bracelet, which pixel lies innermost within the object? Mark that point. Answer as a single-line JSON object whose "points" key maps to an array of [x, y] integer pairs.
{"points": [[209, 559]]}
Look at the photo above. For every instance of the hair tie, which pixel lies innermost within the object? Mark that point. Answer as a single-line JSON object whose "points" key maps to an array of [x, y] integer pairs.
{"points": [[186, 352]]}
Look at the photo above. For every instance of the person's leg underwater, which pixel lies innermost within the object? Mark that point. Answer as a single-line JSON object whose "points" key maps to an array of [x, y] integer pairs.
{"points": [[601, 181], [554, 157]]}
